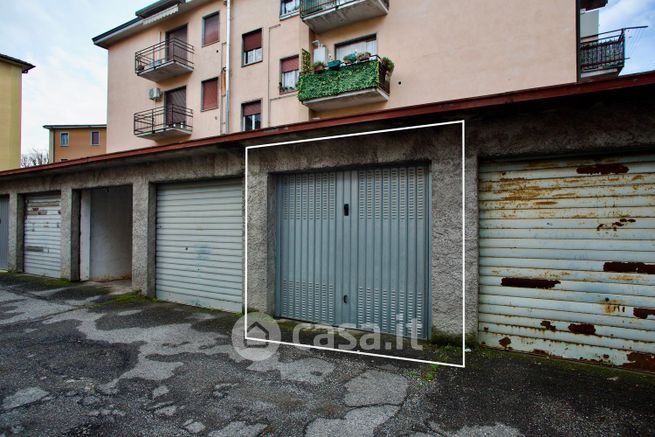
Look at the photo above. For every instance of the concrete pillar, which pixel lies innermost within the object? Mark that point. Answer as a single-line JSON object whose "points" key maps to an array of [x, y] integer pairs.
{"points": [[143, 237], [70, 234], [15, 243]]}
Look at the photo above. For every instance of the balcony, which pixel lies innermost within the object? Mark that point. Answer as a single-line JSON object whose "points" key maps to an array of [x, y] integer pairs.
{"points": [[603, 54], [350, 85], [163, 123], [164, 60], [324, 15]]}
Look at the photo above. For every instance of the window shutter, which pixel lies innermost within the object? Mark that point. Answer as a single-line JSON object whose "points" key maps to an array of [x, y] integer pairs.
{"points": [[210, 30], [252, 108], [210, 94], [290, 64], [252, 40]]}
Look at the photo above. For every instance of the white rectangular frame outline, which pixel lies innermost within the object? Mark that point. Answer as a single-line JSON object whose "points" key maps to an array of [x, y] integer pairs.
{"points": [[358, 134]]}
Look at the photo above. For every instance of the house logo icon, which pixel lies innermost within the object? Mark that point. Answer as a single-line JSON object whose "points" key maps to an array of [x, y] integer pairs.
{"points": [[256, 338]]}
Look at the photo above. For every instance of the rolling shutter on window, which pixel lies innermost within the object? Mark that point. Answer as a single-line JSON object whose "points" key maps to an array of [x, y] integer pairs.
{"points": [[252, 40], [210, 94], [252, 108], [211, 30], [290, 64]]}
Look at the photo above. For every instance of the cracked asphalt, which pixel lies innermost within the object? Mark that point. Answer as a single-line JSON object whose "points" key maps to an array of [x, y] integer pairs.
{"points": [[76, 360]]}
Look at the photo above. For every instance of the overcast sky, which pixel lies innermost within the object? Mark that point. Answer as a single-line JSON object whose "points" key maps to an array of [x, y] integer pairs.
{"points": [[69, 83]]}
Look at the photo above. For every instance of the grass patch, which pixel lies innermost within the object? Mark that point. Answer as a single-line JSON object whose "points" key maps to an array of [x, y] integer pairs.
{"points": [[129, 298]]}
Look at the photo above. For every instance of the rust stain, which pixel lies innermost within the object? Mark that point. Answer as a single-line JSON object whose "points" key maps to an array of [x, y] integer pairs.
{"points": [[602, 169], [523, 194], [540, 352], [612, 306], [643, 313], [529, 283], [582, 328], [546, 202], [640, 360], [616, 225], [549, 326], [504, 342], [629, 267], [638, 177]]}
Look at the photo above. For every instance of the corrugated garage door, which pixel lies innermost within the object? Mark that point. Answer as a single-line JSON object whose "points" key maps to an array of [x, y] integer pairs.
{"points": [[567, 258], [200, 244], [42, 235], [354, 248]]}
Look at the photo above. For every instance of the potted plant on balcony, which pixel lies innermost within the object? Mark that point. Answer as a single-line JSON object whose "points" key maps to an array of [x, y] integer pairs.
{"points": [[388, 65], [350, 58], [319, 67], [334, 64], [363, 56]]}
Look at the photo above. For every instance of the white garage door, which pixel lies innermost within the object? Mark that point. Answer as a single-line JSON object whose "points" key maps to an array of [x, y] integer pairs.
{"points": [[199, 259], [42, 235], [567, 258]]}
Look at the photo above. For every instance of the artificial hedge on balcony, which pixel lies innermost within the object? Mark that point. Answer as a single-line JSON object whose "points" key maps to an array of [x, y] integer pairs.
{"points": [[353, 77]]}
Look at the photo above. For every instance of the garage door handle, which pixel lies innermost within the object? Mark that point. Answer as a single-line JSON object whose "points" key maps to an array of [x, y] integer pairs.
{"points": [[345, 298]]}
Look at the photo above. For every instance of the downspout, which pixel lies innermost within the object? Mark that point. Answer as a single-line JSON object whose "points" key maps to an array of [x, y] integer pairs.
{"points": [[227, 67]]}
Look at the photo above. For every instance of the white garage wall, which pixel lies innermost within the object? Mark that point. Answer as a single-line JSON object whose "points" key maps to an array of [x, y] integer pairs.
{"points": [[106, 233]]}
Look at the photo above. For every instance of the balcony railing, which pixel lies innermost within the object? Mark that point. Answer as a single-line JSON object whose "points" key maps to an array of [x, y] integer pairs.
{"points": [[603, 52], [353, 84], [163, 122], [310, 7], [164, 60], [324, 15]]}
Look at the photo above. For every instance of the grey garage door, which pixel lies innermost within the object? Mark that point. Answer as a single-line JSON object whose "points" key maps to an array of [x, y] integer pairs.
{"points": [[353, 248], [567, 258], [4, 231], [42, 235], [199, 258]]}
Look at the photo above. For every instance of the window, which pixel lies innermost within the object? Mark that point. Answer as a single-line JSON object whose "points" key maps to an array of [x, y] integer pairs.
{"points": [[288, 7], [63, 138], [367, 44], [289, 74], [251, 118], [95, 138], [210, 94], [210, 29], [252, 47]]}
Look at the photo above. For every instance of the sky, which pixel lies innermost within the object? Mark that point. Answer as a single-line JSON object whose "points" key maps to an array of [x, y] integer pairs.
{"points": [[69, 83]]}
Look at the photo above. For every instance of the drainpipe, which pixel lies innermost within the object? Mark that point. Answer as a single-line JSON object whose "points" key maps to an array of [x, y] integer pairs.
{"points": [[227, 68]]}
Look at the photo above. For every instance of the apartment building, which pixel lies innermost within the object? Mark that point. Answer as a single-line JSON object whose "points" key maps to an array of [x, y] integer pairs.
{"points": [[73, 141], [175, 74], [11, 88]]}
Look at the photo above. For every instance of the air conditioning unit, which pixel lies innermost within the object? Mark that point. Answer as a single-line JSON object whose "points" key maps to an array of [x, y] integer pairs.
{"points": [[154, 94]]}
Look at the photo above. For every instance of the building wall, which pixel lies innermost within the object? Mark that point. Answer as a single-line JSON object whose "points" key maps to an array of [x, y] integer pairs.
{"points": [[442, 51], [79, 144], [10, 115], [128, 93]]}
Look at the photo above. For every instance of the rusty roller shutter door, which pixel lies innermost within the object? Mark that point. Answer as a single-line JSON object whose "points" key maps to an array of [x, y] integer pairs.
{"points": [[567, 258], [199, 240], [353, 248], [42, 235]]}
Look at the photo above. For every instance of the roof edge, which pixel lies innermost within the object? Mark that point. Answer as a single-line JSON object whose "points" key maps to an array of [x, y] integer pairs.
{"points": [[74, 126], [25, 66]]}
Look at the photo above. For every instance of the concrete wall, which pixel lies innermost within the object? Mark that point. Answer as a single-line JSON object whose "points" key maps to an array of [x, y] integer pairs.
{"points": [[11, 77], [106, 233], [79, 144]]}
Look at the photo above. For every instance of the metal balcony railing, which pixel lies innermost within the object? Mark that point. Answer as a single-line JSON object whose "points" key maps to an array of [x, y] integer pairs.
{"points": [[603, 51], [172, 50], [162, 119], [310, 7]]}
